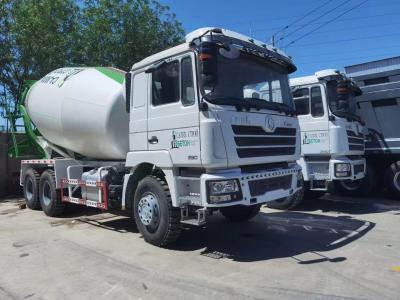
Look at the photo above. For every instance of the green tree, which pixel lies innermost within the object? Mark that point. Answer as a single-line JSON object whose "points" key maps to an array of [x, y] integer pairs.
{"points": [[120, 33], [36, 36]]}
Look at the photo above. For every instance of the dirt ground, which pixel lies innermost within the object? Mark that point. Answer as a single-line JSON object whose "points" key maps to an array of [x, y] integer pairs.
{"points": [[330, 248]]}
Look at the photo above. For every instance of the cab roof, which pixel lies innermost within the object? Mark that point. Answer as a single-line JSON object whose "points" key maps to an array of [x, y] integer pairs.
{"points": [[195, 34], [314, 78]]}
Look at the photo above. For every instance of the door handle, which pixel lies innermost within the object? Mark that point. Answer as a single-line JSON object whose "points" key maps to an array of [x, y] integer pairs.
{"points": [[153, 140]]}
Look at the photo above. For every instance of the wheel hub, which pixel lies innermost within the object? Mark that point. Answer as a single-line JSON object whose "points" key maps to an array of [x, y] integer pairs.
{"points": [[46, 193], [396, 180], [29, 189], [148, 210]]}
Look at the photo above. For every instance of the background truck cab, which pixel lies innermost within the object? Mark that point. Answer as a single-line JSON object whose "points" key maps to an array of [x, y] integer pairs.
{"points": [[332, 139]]}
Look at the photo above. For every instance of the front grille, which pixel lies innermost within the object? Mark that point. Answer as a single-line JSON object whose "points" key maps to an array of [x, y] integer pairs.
{"points": [[263, 167], [356, 141], [261, 186], [254, 141], [258, 130], [358, 169]]}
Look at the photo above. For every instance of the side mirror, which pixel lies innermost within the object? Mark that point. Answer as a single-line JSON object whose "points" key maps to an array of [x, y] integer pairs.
{"points": [[343, 90], [357, 91], [128, 84], [208, 64]]}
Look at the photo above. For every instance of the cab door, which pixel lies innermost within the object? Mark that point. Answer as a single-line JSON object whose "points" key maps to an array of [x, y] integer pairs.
{"points": [[173, 114], [138, 111], [310, 103]]}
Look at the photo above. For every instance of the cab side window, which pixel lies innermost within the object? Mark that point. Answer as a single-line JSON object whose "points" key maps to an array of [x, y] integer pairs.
{"points": [[317, 109], [187, 84], [301, 99], [165, 84]]}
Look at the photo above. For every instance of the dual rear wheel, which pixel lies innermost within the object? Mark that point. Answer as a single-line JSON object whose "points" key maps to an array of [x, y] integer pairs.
{"points": [[40, 192]]}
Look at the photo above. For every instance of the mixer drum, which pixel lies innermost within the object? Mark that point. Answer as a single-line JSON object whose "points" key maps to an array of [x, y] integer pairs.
{"points": [[82, 110]]}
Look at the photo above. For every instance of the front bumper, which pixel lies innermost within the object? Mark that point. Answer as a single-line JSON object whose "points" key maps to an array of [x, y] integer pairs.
{"points": [[256, 188], [324, 170]]}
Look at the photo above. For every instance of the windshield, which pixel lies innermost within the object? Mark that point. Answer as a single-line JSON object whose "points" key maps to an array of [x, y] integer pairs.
{"points": [[251, 79], [340, 97]]}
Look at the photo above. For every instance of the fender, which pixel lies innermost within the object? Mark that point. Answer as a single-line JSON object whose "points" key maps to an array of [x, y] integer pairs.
{"points": [[142, 163], [161, 158]]}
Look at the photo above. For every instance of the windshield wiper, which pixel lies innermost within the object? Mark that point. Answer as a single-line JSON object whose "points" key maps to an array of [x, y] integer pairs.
{"points": [[256, 103]]}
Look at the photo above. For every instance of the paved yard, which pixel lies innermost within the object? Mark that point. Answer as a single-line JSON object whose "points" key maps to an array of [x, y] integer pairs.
{"points": [[335, 248]]}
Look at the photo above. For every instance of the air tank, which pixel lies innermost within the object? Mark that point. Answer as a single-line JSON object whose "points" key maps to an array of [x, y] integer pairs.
{"points": [[82, 110]]}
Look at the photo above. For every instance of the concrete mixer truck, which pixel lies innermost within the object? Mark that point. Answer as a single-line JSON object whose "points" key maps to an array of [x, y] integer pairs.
{"points": [[332, 136], [171, 141]]}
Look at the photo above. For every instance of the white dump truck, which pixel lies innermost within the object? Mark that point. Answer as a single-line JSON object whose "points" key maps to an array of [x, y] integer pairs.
{"points": [[172, 140], [332, 138]]}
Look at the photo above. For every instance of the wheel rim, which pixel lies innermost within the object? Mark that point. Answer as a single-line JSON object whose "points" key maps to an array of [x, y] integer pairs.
{"points": [[351, 185], [29, 189], [46, 194], [396, 180], [148, 211]]}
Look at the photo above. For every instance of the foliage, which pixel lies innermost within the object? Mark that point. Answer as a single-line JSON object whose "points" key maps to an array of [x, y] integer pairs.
{"points": [[37, 36], [34, 39], [120, 33]]}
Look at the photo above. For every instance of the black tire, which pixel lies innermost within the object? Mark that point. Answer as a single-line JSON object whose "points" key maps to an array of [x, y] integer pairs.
{"points": [[164, 227], [50, 200], [240, 213], [289, 202], [31, 189], [392, 180], [361, 187], [312, 195]]}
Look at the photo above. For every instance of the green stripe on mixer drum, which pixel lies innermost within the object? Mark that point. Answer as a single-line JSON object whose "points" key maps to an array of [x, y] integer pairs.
{"points": [[114, 74]]}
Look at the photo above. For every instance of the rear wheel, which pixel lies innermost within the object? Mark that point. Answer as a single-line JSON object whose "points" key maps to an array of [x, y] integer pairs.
{"points": [[240, 213], [157, 220], [392, 180], [50, 200], [31, 189]]}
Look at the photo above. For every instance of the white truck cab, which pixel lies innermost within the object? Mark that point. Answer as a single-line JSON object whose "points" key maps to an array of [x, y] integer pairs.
{"points": [[332, 139], [190, 117], [197, 141]]}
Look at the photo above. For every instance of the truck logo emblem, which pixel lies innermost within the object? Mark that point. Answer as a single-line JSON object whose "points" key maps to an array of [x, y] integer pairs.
{"points": [[270, 124]]}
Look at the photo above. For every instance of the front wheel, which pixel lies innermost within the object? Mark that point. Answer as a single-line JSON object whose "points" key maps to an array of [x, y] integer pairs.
{"points": [[360, 187], [240, 213], [392, 180], [289, 202], [157, 220]]}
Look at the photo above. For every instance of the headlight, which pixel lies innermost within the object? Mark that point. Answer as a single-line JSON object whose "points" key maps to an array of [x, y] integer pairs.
{"points": [[223, 187], [342, 170], [223, 190]]}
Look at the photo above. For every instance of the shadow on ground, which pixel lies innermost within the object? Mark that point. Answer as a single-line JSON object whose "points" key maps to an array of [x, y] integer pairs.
{"points": [[299, 235], [275, 235], [350, 205]]}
